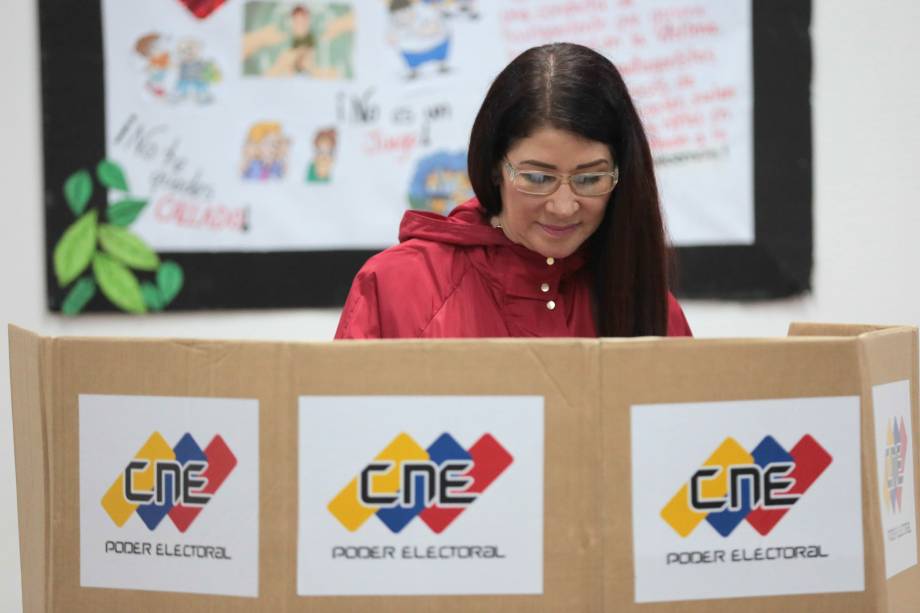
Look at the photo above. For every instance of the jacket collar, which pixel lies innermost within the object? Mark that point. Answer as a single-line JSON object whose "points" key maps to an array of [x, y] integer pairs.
{"points": [[516, 269], [526, 274]]}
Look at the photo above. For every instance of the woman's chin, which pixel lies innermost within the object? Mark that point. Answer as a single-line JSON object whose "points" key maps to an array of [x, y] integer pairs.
{"points": [[555, 248]]}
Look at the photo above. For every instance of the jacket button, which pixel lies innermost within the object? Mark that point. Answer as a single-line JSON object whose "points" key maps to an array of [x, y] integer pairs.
{"points": [[550, 261], [551, 305], [544, 288]]}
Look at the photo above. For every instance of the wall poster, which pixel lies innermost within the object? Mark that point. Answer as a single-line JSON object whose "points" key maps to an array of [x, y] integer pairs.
{"points": [[253, 154]]}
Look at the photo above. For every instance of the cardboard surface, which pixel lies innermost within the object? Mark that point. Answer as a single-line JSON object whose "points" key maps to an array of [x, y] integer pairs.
{"points": [[30, 446], [891, 355], [588, 388]]}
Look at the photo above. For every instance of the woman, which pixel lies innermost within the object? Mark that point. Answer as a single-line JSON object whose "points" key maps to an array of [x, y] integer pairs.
{"points": [[564, 237]]}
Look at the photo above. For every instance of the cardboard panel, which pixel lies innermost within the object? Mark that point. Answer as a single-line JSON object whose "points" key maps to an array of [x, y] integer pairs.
{"points": [[799, 328], [891, 363], [706, 371], [563, 372], [176, 368], [26, 370]]}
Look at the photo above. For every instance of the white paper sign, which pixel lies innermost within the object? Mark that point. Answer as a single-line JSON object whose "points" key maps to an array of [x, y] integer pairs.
{"points": [[301, 125], [420, 495], [894, 456], [169, 494], [746, 498]]}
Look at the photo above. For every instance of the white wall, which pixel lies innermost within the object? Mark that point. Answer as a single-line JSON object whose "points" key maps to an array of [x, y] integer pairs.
{"points": [[867, 211]]}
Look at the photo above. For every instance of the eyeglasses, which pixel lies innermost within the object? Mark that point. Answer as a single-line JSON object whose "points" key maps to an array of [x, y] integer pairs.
{"points": [[541, 183]]}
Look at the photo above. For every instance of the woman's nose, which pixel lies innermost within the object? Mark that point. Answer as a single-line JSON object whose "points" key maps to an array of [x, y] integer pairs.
{"points": [[563, 203]]}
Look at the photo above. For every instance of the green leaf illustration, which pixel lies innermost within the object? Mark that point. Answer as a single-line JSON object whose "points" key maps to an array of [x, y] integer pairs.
{"points": [[127, 247], [78, 296], [118, 283], [124, 212], [111, 175], [153, 297], [78, 189], [74, 250], [170, 279]]}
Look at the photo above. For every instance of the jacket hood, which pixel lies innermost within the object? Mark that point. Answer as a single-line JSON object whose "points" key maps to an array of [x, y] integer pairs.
{"points": [[466, 225]]}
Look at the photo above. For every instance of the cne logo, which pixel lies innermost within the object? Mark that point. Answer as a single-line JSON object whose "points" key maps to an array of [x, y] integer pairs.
{"points": [[175, 481], [406, 480], [895, 462], [733, 486]]}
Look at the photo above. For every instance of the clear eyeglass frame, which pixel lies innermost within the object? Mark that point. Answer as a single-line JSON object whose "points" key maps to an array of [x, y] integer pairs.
{"points": [[559, 179]]}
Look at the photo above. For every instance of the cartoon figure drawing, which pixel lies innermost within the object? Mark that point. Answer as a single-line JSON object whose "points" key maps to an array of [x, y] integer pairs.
{"points": [[265, 152], [420, 33], [288, 46], [150, 47], [192, 74], [195, 73], [303, 43], [320, 170], [440, 183]]}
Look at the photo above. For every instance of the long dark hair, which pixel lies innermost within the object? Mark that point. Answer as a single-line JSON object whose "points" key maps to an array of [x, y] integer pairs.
{"points": [[572, 88]]}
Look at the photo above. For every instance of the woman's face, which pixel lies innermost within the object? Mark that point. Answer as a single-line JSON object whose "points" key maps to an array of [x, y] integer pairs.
{"points": [[558, 224]]}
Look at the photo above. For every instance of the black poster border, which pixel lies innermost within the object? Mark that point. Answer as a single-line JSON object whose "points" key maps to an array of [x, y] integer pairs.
{"points": [[778, 264]]}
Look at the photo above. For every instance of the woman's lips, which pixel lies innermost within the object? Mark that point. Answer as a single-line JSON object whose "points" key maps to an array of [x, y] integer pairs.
{"points": [[559, 231]]}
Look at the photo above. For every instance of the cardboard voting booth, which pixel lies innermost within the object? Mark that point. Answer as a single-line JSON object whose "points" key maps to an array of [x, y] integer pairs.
{"points": [[492, 475]]}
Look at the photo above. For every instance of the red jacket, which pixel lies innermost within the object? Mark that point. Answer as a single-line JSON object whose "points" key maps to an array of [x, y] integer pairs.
{"points": [[457, 276]]}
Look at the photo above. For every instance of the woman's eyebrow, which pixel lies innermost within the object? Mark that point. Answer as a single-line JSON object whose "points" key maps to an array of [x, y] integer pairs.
{"points": [[553, 167], [590, 164], [537, 163]]}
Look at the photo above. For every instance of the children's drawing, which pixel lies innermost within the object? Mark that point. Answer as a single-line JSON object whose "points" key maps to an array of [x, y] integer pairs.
{"points": [[419, 32], [314, 40], [440, 182], [176, 76], [265, 152], [195, 73], [320, 170], [151, 48]]}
